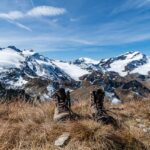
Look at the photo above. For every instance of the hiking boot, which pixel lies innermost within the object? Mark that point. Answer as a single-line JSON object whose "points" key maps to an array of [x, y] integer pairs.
{"points": [[61, 101], [96, 103], [97, 107], [63, 110]]}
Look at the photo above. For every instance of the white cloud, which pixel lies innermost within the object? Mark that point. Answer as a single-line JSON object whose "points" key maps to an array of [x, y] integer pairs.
{"points": [[12, 15], [46, 11], [142, 3], [132, 5], [35, 12], [20, 25]]}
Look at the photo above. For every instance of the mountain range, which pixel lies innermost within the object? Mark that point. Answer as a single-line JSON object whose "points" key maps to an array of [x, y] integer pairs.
{"points": [[31, 75]]}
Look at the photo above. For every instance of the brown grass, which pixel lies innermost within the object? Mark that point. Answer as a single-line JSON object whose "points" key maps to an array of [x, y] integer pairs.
{"points": [[30, 127]]}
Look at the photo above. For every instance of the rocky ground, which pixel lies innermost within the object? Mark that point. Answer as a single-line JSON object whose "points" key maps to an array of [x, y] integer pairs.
{"points": [[25, 126]]}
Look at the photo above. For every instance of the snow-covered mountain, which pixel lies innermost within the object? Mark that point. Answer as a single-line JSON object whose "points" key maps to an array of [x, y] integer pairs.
{"points": [[79, 67], [27, 69], [20, 69], [28, 64], [88, 64], [74, 71], [128, 63], [39, 76], [33, 65]]}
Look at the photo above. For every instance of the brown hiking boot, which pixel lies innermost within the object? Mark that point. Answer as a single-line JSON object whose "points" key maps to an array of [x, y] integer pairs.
{"points": [[97, 107], [61, 100], [97, 99], [63, 110]]}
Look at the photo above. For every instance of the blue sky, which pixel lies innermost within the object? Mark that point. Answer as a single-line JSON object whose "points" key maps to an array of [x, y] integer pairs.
{"points": [[68, 29]]}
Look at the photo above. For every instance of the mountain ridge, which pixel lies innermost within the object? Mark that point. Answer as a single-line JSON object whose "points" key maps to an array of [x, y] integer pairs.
{"points": [[27, 69]]}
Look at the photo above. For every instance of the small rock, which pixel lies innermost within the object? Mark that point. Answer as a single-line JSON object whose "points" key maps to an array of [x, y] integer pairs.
{"points": [[141, 126], [138, 120], [147, 130], [62, 140]]}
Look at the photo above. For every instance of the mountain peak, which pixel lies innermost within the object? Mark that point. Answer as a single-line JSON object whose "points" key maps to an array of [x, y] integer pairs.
{"points": [[133, 53], [14, 48], [18, 68], [125, 63]]}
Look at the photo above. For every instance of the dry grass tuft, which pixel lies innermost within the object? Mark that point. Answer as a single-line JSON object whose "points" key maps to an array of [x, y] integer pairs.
{"points": [[31, 127]]}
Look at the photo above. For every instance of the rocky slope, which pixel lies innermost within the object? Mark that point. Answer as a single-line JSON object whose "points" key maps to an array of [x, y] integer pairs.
{"points": [[117, 88]]}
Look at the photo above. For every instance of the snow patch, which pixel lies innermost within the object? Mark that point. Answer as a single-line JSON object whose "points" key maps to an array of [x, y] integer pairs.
{"points": [[72, 70], [119, 65], [18, 84], [10, 58], [113, 98], [51, 90], [144, 69]]}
